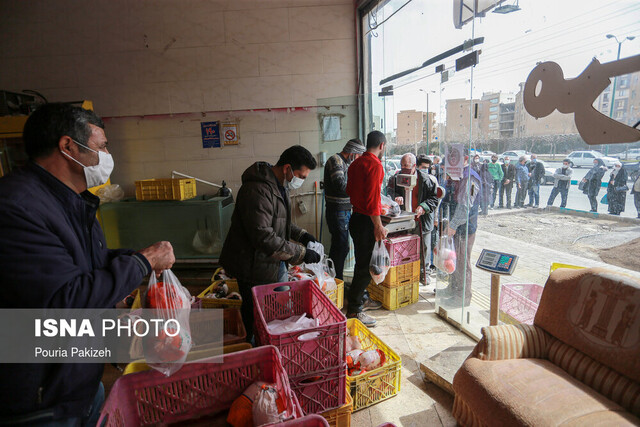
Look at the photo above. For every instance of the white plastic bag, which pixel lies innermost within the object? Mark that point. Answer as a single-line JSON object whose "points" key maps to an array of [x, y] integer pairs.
{"points": [[389, 206], [167, 351], [325, 273], [110, 193], [445, 255], [380, 262], [290, 324], [265, 407]]}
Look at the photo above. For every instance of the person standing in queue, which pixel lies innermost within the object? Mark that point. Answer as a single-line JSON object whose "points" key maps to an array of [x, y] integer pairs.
{"points": [[509, 177], [53, 254], [617, 189], [522, 181], [495, 169], [258, 245], [561, 184], [592, 182], [338, 203], [363, 187], [463, 226]]}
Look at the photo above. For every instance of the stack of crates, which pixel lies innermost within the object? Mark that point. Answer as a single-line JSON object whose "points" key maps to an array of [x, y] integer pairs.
{"points": [[314, 358], [402, 285]]}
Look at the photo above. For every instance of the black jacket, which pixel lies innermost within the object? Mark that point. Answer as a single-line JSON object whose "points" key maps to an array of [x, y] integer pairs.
{"points": [[537, 173], [261, 229], [427, 195], [509, 174], [53, 255]]}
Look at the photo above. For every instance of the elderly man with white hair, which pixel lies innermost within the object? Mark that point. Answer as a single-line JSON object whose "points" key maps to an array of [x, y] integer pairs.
{"points": [[424, 204]]}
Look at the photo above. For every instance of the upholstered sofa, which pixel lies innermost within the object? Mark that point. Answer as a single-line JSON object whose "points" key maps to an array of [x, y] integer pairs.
{"points": [[578, 364]]}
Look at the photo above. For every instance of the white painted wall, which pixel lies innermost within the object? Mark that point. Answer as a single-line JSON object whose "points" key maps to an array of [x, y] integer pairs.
{"points": [[156, 69]]}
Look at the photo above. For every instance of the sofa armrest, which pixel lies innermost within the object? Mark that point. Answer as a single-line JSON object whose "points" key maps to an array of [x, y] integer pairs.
{"points": [[512, 342]]}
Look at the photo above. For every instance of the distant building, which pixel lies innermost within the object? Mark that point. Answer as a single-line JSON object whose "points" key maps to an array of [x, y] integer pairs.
{"points": [[525, 125], [626, 102], [415, 126], [459, 113]]}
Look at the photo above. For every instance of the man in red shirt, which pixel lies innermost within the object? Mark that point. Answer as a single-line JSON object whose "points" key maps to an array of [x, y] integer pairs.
{"points": [[363, 187]]}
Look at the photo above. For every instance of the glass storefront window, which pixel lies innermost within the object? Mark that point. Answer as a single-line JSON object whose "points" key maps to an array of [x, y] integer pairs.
{"points": [[417, 64]]}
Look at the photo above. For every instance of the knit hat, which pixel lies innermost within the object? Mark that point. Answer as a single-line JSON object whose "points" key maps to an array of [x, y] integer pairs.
{"points": [[354, 146], [566, 160]]}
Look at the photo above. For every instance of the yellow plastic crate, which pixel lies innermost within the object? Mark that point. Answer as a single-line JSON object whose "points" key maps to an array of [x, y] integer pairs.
{"points": [[381, 383], [221, 302], [394, 298], [557, 265], [166, 189], [402, 275], [337, 295], [340, 417]]}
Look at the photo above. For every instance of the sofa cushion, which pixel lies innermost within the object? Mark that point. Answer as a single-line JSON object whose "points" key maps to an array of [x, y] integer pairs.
{"points": [[597, 312], [512, 342], [530, 392], [594, 374]]}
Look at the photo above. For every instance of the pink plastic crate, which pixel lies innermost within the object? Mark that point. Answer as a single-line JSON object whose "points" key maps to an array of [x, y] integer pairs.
{"points": [[198, 389], [301, 355], [308, 421], [320, 391], [519, 302], [403, 249]]}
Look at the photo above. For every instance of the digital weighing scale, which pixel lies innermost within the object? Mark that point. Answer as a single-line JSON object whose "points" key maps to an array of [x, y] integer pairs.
{"points": [[496, 263], [406, 219]]}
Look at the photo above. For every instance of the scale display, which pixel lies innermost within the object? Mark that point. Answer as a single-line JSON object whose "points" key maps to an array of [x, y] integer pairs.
{"points": [[497, 262]]}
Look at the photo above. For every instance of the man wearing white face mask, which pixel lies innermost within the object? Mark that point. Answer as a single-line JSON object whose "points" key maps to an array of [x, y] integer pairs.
{"points": [[53, 255], [259, 243]]}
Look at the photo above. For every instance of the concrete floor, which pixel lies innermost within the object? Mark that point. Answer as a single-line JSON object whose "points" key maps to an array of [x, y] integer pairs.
{"points": [[417, 334]]}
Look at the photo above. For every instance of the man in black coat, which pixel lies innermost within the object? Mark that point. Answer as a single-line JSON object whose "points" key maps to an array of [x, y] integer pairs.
{"points": [[509, 171], [536, 173]]}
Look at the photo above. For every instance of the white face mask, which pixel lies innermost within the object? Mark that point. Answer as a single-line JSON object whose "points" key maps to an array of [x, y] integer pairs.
{"points": [[98, 174], [295, 182]]}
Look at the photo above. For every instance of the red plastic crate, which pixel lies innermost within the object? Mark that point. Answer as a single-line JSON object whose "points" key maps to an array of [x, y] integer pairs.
{"points": [[321, 391], [308, 421], [301, 356], [403, 249], [519, 302], [198, 389]]}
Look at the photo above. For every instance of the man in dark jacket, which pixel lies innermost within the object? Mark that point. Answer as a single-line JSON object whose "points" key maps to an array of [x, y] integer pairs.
{"points": [[338, 202], [258, 245], [536, 173], [424, 203], [53, 255], [509, 171]]}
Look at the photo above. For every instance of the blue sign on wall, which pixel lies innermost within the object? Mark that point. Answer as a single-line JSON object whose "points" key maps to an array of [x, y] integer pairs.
{"points": [[210, 134]]}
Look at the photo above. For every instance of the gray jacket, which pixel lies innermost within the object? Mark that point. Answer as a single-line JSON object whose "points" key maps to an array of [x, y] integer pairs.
{"points": [[261, 230], [562, 177]]}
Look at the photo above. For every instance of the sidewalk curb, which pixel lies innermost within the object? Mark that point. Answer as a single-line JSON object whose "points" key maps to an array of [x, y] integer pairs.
{"points": [[594, 215]]}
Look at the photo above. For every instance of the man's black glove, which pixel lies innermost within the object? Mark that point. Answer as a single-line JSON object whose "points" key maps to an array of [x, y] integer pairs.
{"points": [[311, 257], [306, 238]]}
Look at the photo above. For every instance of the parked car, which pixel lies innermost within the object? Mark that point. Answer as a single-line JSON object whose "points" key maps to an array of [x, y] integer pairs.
{"points": [[548, 174], [633, 170], [630, 154], [585, 158], [514, 155]]}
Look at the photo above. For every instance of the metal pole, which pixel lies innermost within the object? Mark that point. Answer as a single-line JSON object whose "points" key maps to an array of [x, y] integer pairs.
{"points": [[613, 94], [428, 125]]}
